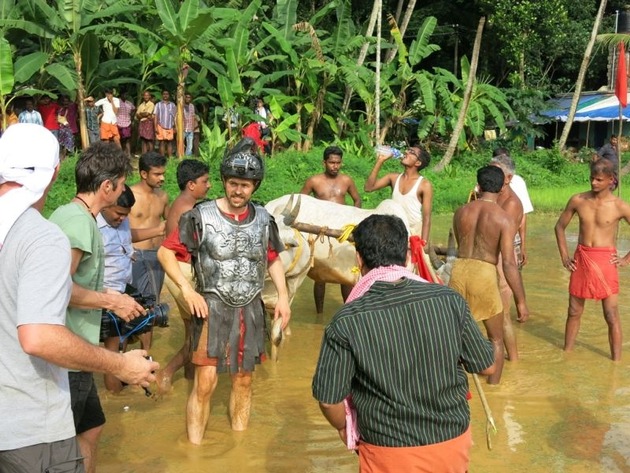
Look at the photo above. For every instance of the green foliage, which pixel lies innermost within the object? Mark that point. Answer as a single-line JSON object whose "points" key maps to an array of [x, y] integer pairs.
{"points": [[550, 177]]}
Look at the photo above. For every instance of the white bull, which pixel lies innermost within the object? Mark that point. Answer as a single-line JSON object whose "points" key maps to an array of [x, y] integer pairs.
{"points": [[324, 259]]}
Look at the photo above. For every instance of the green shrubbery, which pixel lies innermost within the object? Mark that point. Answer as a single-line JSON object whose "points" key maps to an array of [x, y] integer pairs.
{"points": [[550, 177]]}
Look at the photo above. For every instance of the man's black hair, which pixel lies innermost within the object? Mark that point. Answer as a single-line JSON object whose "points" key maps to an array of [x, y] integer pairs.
{"points": [[332, 150], [152, 159], [490, 179], [126, 199], [190, 170], [381, 240]]}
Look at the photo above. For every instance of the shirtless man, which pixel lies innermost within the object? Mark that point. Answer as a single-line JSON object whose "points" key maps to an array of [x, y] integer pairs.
{"points": [[331, 186], [193, 181], [593, 268], [149, 211], [484, 231], [511, 203], [410, 189]]}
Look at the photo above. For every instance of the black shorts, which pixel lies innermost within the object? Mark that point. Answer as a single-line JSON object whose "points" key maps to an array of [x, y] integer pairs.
{"points": [[86, 406], [62, 456]]}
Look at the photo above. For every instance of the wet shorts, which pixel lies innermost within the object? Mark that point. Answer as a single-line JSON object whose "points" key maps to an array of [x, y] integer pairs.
{"points": [[86, 406], [62, 456], [477, 282]]}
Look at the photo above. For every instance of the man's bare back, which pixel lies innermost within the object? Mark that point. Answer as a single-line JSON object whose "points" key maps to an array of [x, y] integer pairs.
{"points": [[481, 227], [149, 211]]}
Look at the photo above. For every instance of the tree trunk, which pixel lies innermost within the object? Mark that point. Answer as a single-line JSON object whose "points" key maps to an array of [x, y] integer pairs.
{"points": [[377, 82], [179, 117], [403, 27], [78, 64], [459, 127], [580, 80], [399, 10], [362, 55]]}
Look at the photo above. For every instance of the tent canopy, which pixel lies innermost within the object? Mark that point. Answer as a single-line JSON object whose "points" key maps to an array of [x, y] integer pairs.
{"points": [[591, 107]]}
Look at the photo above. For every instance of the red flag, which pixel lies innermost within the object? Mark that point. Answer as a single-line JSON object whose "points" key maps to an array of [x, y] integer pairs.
{"points": [[621, 83]]}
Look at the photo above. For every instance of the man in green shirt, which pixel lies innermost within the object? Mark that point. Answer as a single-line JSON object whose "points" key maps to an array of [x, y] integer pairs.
{"points": [[100, 175], [400, 348]]}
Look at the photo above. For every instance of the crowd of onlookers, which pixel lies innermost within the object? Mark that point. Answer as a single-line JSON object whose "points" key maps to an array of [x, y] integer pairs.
{"points": [[149, 125]]}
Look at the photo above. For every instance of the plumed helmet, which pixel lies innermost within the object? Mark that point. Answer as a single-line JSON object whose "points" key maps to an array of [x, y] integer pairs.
{"points": [[243, 162]]}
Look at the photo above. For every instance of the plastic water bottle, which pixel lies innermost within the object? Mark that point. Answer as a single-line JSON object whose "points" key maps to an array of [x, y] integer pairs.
{"points": [[389, 151]]}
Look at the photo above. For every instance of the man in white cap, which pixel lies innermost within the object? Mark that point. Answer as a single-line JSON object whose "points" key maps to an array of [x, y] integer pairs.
{"points": [[35, 288]]}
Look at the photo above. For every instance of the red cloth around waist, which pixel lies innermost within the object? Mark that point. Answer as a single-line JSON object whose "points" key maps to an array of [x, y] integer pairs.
{"points": [[595, 276]]}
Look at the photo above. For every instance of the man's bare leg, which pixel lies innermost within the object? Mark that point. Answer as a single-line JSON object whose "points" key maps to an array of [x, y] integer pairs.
{"points": [[509, 337], [198, 407], [319, 292], [345, 291], [615, 335], [112, 383], [240, 400], [88, 442], [164, 377], [572, 327], [494, 329]]}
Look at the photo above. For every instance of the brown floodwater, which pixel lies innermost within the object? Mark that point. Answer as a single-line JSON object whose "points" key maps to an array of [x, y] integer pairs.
{"points": [[555, 412]]}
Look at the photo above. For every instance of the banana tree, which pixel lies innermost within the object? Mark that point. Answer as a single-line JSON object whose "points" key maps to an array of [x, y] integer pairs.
{"points": [[398, 77], [19, 73], [72, 26], [179, 29]]}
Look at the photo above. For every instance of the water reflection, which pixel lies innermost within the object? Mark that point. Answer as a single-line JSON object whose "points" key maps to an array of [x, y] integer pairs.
{"points": [[555, 412]]}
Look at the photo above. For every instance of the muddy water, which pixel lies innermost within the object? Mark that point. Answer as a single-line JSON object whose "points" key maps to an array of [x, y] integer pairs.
{"points": [[554, 412]]}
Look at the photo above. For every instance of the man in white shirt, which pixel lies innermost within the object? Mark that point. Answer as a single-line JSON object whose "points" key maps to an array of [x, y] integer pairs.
{"points": [[109, 128]]}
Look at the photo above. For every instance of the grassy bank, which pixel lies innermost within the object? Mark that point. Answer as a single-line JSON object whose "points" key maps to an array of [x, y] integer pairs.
{"points": [[551, 179]]}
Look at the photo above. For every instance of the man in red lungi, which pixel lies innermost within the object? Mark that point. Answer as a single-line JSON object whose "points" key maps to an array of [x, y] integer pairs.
{"points": [[594, 264]]}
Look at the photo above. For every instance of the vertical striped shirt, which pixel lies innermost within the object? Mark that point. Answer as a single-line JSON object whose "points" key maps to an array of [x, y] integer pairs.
{"points": [[165, 114], [401, 351]]}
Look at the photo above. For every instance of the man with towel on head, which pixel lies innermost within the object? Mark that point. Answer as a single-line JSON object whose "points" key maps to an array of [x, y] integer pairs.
{"points": [[35, 289], [594, 265]]}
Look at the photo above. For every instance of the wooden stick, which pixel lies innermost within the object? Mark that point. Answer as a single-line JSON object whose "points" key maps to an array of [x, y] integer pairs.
{"points": [[489, 419]]}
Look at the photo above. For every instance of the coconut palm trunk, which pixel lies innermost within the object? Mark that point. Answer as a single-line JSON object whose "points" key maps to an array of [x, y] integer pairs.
{"points": [[580, 80], [459, 127]]}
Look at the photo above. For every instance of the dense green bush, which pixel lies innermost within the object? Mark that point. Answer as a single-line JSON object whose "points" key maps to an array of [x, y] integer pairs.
{"points": [[286, 172]]}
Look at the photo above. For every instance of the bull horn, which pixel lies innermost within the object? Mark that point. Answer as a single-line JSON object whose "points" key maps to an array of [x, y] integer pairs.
{"points": [[436, 262], [290, 217], [287, 208], [451, 251]]}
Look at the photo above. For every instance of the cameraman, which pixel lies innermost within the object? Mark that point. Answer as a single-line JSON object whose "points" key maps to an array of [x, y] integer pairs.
{"points": [[117, 242]]}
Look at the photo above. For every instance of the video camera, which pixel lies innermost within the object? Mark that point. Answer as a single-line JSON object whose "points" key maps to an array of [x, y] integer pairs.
{"points": [[114, 326]]}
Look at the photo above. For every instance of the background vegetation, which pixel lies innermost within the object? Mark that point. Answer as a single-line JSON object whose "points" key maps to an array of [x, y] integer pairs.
{"points": [[551, 178], [312, 60]]}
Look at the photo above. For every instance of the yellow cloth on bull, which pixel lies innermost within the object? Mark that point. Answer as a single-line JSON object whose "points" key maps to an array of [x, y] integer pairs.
{"points": [[477, 282]]}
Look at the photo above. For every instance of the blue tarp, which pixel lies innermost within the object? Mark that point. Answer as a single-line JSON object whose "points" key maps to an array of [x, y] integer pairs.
{"points": [[591, 107]]}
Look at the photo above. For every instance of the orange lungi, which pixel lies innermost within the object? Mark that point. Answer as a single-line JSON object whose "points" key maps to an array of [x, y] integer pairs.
{"points": [[451, 456], [595, 277]]}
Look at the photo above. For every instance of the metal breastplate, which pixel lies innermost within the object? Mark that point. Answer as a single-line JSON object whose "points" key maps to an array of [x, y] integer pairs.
{"points": [[232, 257]]}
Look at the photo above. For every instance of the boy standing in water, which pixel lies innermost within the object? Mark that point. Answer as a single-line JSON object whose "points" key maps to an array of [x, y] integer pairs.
{"points": [[594, 265]]}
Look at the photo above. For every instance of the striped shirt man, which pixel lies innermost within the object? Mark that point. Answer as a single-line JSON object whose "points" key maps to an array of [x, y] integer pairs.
{"points": [[401, 351], [165, 114]]}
